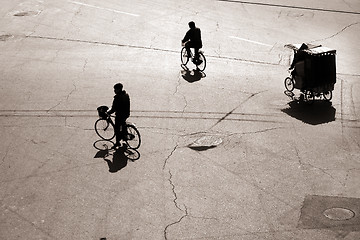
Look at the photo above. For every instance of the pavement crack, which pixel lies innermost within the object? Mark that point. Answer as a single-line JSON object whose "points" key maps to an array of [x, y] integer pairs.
{"points": [[72, 91], [177, 91], [171, 224], [174, 192], [178, 84], [4, 157], [66, 98], [230, 112], [303, 167], [185, 211], [54, 106], [24, 219], [168, 157], [339, 32], [84, 66]]}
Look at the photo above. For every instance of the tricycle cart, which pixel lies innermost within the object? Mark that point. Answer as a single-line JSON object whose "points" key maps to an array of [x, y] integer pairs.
{"points": [[313, 72]]}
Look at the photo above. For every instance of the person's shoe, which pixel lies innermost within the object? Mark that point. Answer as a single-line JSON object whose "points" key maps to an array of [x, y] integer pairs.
{"points": [[130, 136], [116, 145]]}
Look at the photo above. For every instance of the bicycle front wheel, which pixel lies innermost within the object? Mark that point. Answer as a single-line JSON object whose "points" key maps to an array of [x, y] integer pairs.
{"points": [[104, 129], [133, 139], [289, 84], [202, 64], [184, 56]]}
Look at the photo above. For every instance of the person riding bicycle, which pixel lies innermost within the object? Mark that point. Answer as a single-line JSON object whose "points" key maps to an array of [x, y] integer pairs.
{"points": [[121, 108], [192, 39]]}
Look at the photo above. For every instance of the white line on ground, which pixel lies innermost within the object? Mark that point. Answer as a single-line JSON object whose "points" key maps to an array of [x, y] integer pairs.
{"points": [[108, 9], [246, 40]]}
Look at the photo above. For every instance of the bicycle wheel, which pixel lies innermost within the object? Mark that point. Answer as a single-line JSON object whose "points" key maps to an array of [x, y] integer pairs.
{"points": [[310, 96], [327, 95], [202, 64], [104, 129], [184, 56], [289, 84], [133, 139]]}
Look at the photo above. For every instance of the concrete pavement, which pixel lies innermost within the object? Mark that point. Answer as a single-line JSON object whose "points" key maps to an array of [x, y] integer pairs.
{"points": [[223, 155]]}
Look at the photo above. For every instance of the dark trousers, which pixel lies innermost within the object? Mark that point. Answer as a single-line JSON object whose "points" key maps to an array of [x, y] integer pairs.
{"points": [[120, 128], [189, 45]]}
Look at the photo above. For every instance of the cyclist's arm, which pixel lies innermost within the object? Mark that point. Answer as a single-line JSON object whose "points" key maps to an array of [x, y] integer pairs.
{"points": [[112, 110], [187, 37]]}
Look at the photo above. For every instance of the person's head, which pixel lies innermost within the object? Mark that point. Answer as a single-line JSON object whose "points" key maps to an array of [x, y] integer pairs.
{"points": [[118, 88], [191, 24]]}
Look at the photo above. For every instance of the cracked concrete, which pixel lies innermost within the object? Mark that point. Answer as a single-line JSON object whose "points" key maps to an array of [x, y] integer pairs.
{"points": [[337, 33], [255, 164]]}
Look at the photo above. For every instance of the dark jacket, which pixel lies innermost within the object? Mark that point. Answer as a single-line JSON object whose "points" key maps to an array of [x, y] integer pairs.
{"points": [[194, 35], [121, 105]]}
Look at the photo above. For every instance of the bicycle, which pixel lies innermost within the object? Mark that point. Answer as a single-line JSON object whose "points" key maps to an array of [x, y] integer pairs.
{"points": [[309, 94], [105, 129], [200, 63]]}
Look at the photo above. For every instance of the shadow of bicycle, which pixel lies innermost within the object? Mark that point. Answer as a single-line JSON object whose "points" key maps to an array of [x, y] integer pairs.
{"points": [[116, 159], [192, 75]]}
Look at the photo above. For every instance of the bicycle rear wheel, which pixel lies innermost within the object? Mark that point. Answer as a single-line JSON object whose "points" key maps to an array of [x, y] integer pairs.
{"points": [[133, 139], [202, 64], [310, 96], [184, 56], [104, 129], [327, 95]]}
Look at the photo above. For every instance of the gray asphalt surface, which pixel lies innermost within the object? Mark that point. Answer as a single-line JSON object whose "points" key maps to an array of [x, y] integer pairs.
{"points": [[224, 154]]}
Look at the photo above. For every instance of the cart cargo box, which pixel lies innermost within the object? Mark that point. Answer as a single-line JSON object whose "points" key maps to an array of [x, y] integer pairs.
{"points": [[313, 70]]}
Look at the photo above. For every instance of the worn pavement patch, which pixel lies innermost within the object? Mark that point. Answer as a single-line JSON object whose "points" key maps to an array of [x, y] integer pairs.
{"points": [[338, 213]]}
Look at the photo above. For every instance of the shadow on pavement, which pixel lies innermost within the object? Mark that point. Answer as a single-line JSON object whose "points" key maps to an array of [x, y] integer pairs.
{"points": [[317, 113], [192, 75], [116, 159], [201, 148]]}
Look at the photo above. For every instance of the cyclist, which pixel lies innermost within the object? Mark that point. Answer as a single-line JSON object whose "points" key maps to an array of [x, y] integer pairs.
{"points": [[121, 108], [192, 39]]}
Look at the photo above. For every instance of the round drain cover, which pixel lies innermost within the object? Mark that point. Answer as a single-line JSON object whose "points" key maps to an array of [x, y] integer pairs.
{"points": [[205, 143], [339, 214]]}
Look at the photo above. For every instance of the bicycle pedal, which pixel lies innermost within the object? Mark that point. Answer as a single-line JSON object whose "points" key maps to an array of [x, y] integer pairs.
{"points": [[289, 94]]}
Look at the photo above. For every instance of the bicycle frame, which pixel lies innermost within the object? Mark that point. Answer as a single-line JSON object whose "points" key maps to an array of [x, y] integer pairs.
{"points": [[185, 58]]}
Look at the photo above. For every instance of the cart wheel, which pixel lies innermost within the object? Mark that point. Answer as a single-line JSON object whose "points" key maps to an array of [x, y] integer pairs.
{"points": [[327, 95], [289, 84], [310, 97]]}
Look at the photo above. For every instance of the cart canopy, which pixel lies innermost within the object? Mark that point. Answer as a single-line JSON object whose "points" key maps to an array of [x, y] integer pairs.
{"points": [[311, 49], [315, 66]]}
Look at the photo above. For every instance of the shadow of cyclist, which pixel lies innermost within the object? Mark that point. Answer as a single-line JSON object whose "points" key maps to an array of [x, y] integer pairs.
{"points": [[116, 159], [192, 75], [119, 160]]}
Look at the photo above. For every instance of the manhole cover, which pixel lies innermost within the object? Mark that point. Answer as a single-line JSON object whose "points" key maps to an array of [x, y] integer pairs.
{"points": [[5, 37], [205, 143], [325, 212], [24, 14], [339, 214]]}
